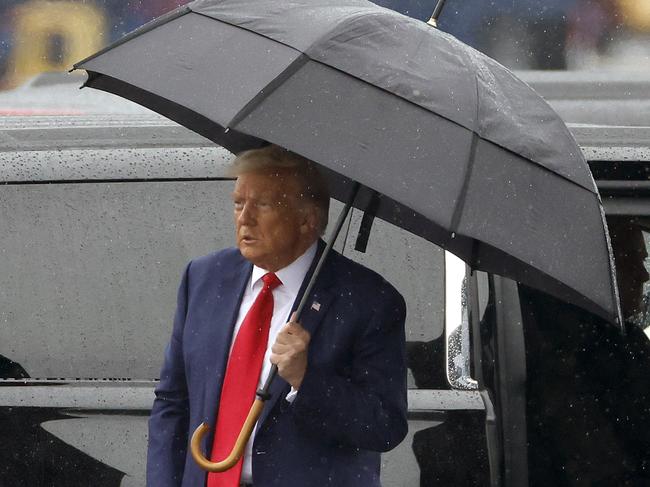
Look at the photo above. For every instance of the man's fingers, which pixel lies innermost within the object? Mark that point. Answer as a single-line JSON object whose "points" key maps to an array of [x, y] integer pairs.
{"points": [[293, 323], [285, 336], [294, 327], [279, 360], [280, 348], [293, 330], [290, 349]]}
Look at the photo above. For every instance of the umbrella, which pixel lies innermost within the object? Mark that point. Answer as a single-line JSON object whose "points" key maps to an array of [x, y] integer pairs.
{"points": [[445, 142]]}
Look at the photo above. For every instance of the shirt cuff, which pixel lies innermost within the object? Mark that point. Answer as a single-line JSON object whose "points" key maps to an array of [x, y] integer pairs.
{"points": [[292, 395]]}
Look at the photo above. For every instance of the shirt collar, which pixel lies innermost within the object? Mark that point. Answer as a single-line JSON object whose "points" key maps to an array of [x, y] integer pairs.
{"points": [[291, 275]]}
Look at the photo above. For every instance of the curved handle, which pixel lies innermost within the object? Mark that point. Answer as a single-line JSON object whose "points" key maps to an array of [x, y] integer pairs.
{"points": [[240, 444]]}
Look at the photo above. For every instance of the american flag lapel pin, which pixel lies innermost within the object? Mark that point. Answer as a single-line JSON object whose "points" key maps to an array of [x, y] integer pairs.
{"points": [[315, 306]]}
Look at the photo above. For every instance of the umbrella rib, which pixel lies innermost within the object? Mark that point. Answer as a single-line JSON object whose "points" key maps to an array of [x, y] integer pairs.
{"points": [[462, 196], [265, 92]]}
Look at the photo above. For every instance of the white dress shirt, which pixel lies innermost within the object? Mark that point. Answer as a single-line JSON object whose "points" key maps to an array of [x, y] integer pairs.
{"points": [[283, 298]]}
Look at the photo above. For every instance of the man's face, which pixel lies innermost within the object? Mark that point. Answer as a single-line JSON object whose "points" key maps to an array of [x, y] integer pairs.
{"points": [[272, 227]]}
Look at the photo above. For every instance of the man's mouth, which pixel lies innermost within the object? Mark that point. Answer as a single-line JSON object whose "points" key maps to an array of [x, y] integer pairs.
{"points": [[247, 239]]}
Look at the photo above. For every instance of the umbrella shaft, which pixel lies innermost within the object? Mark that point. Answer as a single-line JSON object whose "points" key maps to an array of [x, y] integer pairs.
{"points": [[438, 10], [433, 21]]}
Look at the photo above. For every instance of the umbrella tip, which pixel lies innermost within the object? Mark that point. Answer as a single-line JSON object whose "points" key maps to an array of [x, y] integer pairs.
{"points": [[433, 21]]}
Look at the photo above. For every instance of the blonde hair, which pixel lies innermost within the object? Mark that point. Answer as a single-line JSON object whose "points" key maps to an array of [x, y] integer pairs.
{"points": [[313, 186]]}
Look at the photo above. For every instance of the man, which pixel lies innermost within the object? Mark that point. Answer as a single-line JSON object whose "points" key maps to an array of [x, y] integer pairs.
{"points": [[340, 397], [588, 425]]}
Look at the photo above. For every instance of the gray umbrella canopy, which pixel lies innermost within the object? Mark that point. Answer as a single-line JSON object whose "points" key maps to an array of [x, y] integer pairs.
{"points": [[460, 151]]}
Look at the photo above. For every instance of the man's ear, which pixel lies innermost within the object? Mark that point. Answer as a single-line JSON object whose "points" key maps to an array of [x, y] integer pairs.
{"points": [[309, 222]]}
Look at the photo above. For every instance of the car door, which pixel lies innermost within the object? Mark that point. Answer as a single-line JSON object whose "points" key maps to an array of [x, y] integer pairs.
{"points": [[445, 444], [499, 366]]}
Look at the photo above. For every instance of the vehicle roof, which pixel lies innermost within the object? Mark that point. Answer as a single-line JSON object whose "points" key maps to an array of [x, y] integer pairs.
{"points": [[595, 97], [105, 147], [608, 112], [58, 94], [612, 143]]}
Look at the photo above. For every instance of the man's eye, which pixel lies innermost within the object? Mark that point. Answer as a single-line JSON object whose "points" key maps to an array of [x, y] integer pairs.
{"points": [[238, 205]]}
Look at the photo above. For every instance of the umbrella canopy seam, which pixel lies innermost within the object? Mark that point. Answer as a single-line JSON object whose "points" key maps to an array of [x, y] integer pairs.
{"points": [[265, 92]]}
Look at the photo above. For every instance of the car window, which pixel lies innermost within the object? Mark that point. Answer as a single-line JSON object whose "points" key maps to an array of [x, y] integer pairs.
{"points": [[630, 237], [416, 268], [643, 319], [87, 288]]}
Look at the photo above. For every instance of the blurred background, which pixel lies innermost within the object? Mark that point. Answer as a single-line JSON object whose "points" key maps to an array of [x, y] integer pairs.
{"points": [[39, 36]]}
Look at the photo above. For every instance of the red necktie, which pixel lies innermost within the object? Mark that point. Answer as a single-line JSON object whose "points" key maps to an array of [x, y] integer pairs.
{"points": [[240, 382]]}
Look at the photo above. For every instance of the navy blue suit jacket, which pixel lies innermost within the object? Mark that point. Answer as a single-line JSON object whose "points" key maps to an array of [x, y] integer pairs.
{"points": [[352, 401]]}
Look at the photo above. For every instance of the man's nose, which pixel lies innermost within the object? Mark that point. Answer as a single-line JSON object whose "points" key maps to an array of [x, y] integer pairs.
{"points": [[246, 215]]}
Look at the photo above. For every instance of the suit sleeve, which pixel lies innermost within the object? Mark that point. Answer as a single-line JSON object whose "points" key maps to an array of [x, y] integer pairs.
{"points": [[368, 408], [169, 419]]}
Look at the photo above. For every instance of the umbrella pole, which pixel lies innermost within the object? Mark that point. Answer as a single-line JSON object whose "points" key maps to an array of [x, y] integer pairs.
{"points": [[263, 393], [433, 21]]}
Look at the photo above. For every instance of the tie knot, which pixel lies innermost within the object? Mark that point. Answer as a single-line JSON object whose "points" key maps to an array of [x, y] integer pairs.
{"points": [[271, 281]]}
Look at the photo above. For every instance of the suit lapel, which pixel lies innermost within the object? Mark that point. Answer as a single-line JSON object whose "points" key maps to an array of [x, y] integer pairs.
{"points": [[228, 293], [312, 316]]}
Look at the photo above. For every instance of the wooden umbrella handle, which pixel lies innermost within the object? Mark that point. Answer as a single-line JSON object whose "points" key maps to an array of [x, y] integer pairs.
{"points": [[240, 444]]}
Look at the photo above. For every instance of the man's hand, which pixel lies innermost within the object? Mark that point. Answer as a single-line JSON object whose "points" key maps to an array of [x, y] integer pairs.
{"points": [[289, 352]]}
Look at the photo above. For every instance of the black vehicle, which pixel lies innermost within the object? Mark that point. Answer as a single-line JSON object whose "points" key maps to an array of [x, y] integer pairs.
{"points": [[99, 213]]}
